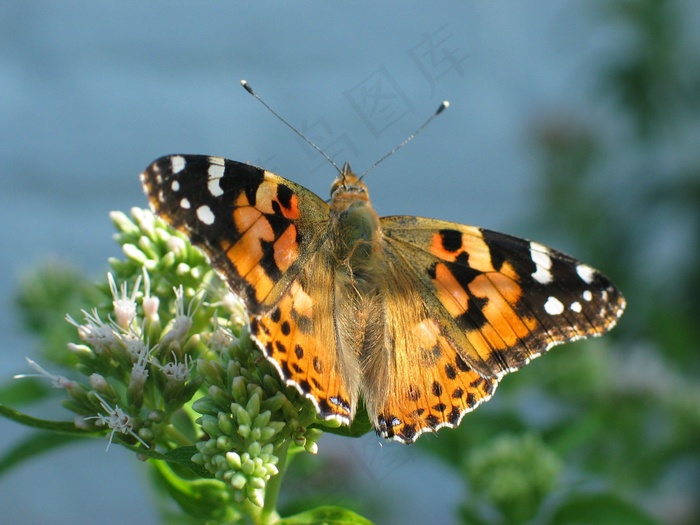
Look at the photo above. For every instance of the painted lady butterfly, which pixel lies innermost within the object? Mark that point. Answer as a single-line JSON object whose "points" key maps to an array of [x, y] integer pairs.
{"points": [[420, 318]]}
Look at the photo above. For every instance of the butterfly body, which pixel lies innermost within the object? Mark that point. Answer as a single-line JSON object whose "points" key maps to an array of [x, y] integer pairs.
{"points": [[417, 317]]}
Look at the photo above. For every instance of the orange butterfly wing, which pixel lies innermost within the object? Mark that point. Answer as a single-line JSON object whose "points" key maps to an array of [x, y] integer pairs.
{"points": [[491, 303], [264, 235]]}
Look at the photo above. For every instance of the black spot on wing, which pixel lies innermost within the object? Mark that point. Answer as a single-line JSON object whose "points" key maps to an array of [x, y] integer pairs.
{"points": [[279, 223], [451, 240], [284, 195], [286, 327], [408, 433], [432, 421], [453, 416], [477, 382]]}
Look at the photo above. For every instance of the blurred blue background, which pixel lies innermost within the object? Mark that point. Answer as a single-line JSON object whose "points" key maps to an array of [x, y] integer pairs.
{"points": [[91, 93]]}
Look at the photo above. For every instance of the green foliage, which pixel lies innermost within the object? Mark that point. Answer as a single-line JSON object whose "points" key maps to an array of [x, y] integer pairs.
{"points": [[514, 473], [599, 509], [325, 516]]}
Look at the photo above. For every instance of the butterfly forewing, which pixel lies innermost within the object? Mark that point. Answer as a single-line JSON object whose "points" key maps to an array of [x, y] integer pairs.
{"points": [[513, 298], [256, 227]]}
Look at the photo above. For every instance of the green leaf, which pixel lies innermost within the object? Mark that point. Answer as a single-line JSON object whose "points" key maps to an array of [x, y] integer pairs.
{"points": [[182, 456], [325, 516], [179, 457], [36, 444], [600, 509], [24, 392], [206, 500]]}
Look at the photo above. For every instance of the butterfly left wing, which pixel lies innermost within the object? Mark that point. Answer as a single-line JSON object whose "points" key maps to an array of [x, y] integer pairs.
{"points": [[267, 237], [493, 303]]}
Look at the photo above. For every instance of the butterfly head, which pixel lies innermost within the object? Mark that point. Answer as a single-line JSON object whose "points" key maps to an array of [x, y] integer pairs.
{"points": [[349, 186]]}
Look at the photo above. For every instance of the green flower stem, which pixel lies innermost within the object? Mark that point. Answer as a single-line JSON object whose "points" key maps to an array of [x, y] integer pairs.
{"points": [[269, 513]]}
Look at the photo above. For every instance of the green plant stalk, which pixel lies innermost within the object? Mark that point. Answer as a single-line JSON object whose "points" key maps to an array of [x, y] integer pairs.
{"points": [[176, 436], [268, 514]]}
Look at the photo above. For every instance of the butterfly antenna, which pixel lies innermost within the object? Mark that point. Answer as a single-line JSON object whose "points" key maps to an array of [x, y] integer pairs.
{"points": [[249, 89], [445, 104]]}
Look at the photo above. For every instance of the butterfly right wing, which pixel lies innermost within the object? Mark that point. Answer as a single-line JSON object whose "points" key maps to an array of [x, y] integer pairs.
{"points": [[264, 235], [474, 306]]}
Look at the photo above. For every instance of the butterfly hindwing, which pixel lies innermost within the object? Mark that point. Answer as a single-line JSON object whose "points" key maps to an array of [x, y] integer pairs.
{"points": [[430, 382]]}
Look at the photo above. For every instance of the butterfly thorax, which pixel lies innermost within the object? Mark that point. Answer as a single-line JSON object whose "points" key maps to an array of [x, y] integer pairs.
{"points": [[355, 225]]}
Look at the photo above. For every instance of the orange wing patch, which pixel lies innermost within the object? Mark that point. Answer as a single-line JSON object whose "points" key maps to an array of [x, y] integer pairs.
{"points": [[296, 338], [445, 389]]}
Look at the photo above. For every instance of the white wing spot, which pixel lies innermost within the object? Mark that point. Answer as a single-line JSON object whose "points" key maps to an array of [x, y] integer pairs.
{"points": [[205, 215], [553, 306], [185, 203], [576, 307], [215, 187], [604, 295], [177, 163], [540, 256], [175, 186], [214, 184], [586, 273], [587, 295]]}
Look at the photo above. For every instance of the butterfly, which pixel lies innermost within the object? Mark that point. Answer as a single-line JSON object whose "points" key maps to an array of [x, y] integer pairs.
{"points": [[418, 318]]}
